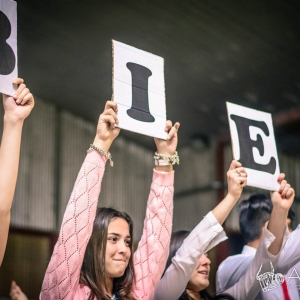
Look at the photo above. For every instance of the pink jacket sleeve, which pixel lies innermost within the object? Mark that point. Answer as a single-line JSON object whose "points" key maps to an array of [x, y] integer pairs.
{"points": [[153, 249], [62, 276]]}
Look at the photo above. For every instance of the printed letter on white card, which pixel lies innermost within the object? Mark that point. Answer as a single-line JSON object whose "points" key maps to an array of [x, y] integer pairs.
{"points": [[253, 144], [8, 46], [139, 90]]}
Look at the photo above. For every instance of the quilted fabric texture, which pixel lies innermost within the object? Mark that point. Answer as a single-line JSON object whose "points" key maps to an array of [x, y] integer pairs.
{"points": [[62, 276]]}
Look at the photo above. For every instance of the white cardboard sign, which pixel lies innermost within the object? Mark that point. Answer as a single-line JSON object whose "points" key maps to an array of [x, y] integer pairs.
{"points": [[253, 144], [139, 90], [8, 46]]}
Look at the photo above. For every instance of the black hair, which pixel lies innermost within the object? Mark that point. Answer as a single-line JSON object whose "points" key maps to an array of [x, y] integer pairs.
{"points": [[254, 213], [291, 216]]}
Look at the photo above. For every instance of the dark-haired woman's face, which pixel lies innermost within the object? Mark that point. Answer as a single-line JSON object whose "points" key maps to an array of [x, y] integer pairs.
{"points": [[118, 250], [199, 278]]}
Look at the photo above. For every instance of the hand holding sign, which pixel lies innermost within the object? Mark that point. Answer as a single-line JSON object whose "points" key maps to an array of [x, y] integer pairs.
{"points": [[253, 144], [8, 46], [282, 200], [139, 89], [106, 128], [168, 147], [284, 197], [18, 107], [236, 179]]}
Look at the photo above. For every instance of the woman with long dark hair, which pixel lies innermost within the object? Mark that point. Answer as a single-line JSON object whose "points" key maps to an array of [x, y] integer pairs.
{"points": [[196, 287], [92, 258], [187, 270]]}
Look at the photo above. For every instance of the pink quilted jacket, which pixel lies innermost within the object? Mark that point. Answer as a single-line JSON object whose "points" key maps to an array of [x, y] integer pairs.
{"points": [[62, 276]]}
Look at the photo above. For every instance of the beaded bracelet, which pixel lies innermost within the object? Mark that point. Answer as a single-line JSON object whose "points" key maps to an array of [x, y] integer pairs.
{"points": [[165, 159], [106, 154]]}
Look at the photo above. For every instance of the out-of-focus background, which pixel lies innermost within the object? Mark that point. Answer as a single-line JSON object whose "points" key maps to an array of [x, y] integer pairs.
{"points": [[246, 52]]}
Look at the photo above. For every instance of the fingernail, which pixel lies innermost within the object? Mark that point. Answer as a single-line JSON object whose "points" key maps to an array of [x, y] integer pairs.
{"points": [[15, 96], [168, 137], [282, 196], [278, 180], [14, 82], [280, 192]]}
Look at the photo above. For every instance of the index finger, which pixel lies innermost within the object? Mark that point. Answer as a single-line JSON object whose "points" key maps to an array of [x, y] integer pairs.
{"points": [[168, 125], [235, 164], [281, 176], [18, 81], [173, 131], [177, 125], [111, 104]]}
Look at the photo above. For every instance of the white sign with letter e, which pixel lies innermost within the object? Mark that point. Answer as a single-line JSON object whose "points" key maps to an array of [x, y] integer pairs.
{"points": [[139, 90], [253, 144], [8, 46]]}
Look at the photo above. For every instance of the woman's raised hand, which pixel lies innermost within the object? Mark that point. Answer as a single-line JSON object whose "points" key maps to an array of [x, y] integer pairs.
{"points": [[236, 179], [284, 197], [106, 129], [168, 146], [19, 106]]}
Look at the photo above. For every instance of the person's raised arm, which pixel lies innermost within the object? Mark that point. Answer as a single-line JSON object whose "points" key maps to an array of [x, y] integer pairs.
{"points": [[272, 242], [106, 129], [62, 278], [282, 201], [167, 147], [153, 248], [207, 234], [236, 180], [16, 109]]}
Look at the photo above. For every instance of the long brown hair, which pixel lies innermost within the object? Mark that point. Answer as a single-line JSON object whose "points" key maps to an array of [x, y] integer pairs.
{"points": [[93, 266]]}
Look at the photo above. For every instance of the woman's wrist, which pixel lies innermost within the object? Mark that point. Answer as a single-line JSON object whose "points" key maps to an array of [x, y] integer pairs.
{"points": [[165, 151], [12, 120], [164, 162], [232, 197], [168, 168]]}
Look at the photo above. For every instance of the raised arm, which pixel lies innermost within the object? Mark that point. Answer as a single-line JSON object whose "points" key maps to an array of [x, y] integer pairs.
{"points": [[207, 234], [272, 243], [62, 276], [236, 180], [282, 201], [153, 248], [16, 109]]}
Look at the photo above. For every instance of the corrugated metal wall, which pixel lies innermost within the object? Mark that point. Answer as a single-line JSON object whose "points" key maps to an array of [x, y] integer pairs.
{"points": [[33, 201], [54, 144], [194, 195]]}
